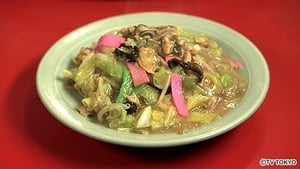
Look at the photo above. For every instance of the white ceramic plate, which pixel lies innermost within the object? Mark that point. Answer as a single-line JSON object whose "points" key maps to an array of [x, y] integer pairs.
{"points": [[62, 103]]}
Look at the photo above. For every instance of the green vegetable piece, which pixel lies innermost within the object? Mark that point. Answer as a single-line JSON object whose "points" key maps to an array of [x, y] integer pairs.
{"points": [[138, 44], [87, 102], [160, 77], [226, 79], [109, 64], [150, 95], [188, 84], [139, 89], [126, 86], [126, 123], [85, 70], [177, 69], [108, 90], [70, 74], [196, 100], [213, 77], [120, 119]]}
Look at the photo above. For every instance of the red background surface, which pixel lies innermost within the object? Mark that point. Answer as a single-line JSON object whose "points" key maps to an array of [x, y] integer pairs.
{"points": [[32, 138]]}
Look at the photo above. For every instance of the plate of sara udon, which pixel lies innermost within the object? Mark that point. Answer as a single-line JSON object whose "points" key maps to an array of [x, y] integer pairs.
{"points": [[152, 79]]}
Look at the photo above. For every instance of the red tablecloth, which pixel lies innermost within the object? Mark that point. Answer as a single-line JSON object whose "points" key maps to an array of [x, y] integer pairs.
{"points": [[32, 138]]}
